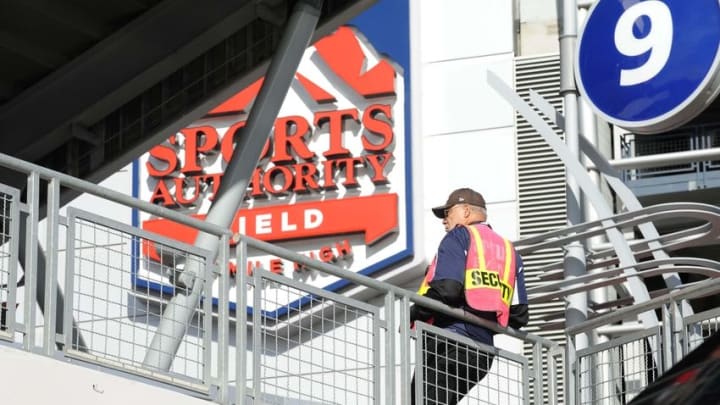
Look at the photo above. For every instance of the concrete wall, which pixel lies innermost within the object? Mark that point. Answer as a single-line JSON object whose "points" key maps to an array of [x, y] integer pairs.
{"points": [[29, 379], [467, 130]]}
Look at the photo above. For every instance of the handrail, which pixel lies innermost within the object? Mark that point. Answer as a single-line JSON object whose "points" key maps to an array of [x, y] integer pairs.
{"points": [[389, 288], [697, 290], [694, 265], [589, 229], [112, 195], [120, 198]]}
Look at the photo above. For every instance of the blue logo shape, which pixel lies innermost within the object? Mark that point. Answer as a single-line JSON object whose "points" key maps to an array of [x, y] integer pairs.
{"points": [[650, 65]]}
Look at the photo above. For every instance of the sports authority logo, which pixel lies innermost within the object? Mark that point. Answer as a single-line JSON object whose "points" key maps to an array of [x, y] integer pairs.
{"points": [[331, 182]]}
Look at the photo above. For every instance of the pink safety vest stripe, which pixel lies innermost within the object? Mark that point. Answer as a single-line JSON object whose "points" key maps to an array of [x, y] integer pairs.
{"points": [[490, 272]]}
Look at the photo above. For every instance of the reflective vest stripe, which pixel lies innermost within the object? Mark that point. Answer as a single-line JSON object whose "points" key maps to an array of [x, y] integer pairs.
{"points": [[425, 286], [508, 261], [479, 246]]}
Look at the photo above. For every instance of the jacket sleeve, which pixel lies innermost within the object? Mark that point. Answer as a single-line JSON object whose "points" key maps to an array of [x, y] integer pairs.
{"points": [[519, 310], [449, 292], [447, 284]]}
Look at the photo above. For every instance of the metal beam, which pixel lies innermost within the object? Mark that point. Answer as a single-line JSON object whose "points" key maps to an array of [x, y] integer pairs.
{"points": [[119, 68], [33, 52], [69, 16], [284, 64]]}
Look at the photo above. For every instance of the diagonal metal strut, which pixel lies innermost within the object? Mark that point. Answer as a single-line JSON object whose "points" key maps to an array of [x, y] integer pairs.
{"points": [[180, 310]]}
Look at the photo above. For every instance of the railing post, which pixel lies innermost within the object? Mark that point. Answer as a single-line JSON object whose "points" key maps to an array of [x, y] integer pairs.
{"points": [[30, 265], [390, 334], [552, 373], [241, 330], [572, 377], [206, 279], [405, 354], [50, 311], [223, 317], [537, 371], [257, 346], [667, 345]]}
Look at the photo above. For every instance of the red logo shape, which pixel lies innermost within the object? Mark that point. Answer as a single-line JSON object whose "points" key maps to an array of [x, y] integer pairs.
{"points": [[375, 216], [342, 53]]}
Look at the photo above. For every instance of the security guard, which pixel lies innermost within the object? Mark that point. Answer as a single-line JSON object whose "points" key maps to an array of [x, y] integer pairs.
{"points": [[479, 271]]}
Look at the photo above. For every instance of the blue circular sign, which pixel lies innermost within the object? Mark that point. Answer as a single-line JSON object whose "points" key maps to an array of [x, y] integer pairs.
{"points": [[650, 65]]}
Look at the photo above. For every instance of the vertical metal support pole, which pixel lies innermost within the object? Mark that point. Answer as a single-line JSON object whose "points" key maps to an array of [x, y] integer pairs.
{"points": [[574, 265], [223, 318], [205, 321], [296, 38], [677, 332], [537, 373], [50, 290], [257, 343], [572, 371], [241, 330], [16, 241], [67, 319], [672, 351], [31, 259], [390, 348], [405, 355], [377, 339], [553, 365]]}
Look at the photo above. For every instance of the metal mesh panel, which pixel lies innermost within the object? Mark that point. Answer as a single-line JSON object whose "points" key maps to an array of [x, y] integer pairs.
{"points": [[113, 326], [674, 142], [451, 369], [704, 323], [616, 371], [8, 260], [323, 352]]}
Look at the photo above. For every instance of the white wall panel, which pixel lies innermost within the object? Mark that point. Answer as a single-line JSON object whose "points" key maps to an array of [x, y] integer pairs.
{"points": [[455, 29], [483, 160], [456, 96]]}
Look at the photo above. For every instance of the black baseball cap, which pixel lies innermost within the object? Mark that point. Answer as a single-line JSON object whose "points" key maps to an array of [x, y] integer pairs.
{"points": [[460, 196]]}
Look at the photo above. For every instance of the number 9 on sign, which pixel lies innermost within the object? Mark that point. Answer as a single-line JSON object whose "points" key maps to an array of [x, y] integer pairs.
{"points": [[657, 42], [649, 65]]}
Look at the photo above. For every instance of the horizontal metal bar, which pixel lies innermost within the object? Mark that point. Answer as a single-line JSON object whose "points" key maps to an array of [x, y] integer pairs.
{"points": [[664, 159], [306, 288], [652, 331], [694, 291], [76, 213], [702, 316], [386, 288], [109, 194]]}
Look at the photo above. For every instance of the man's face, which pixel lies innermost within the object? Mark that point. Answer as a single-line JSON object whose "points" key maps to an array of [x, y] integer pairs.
{"points": [[453, 216]]}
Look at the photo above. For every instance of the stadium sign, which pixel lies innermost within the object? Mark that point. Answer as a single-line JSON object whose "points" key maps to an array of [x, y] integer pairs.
{"points": [[332, 182]]}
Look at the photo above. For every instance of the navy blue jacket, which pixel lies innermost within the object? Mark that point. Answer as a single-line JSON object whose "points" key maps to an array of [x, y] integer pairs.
{"points": [[447, 286]]}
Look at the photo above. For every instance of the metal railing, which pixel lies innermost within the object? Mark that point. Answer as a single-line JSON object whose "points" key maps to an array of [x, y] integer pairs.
{"points": [[331, 341], [325, 348], [694, 138], [114, 319], [82, 279], [615, 371]]}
